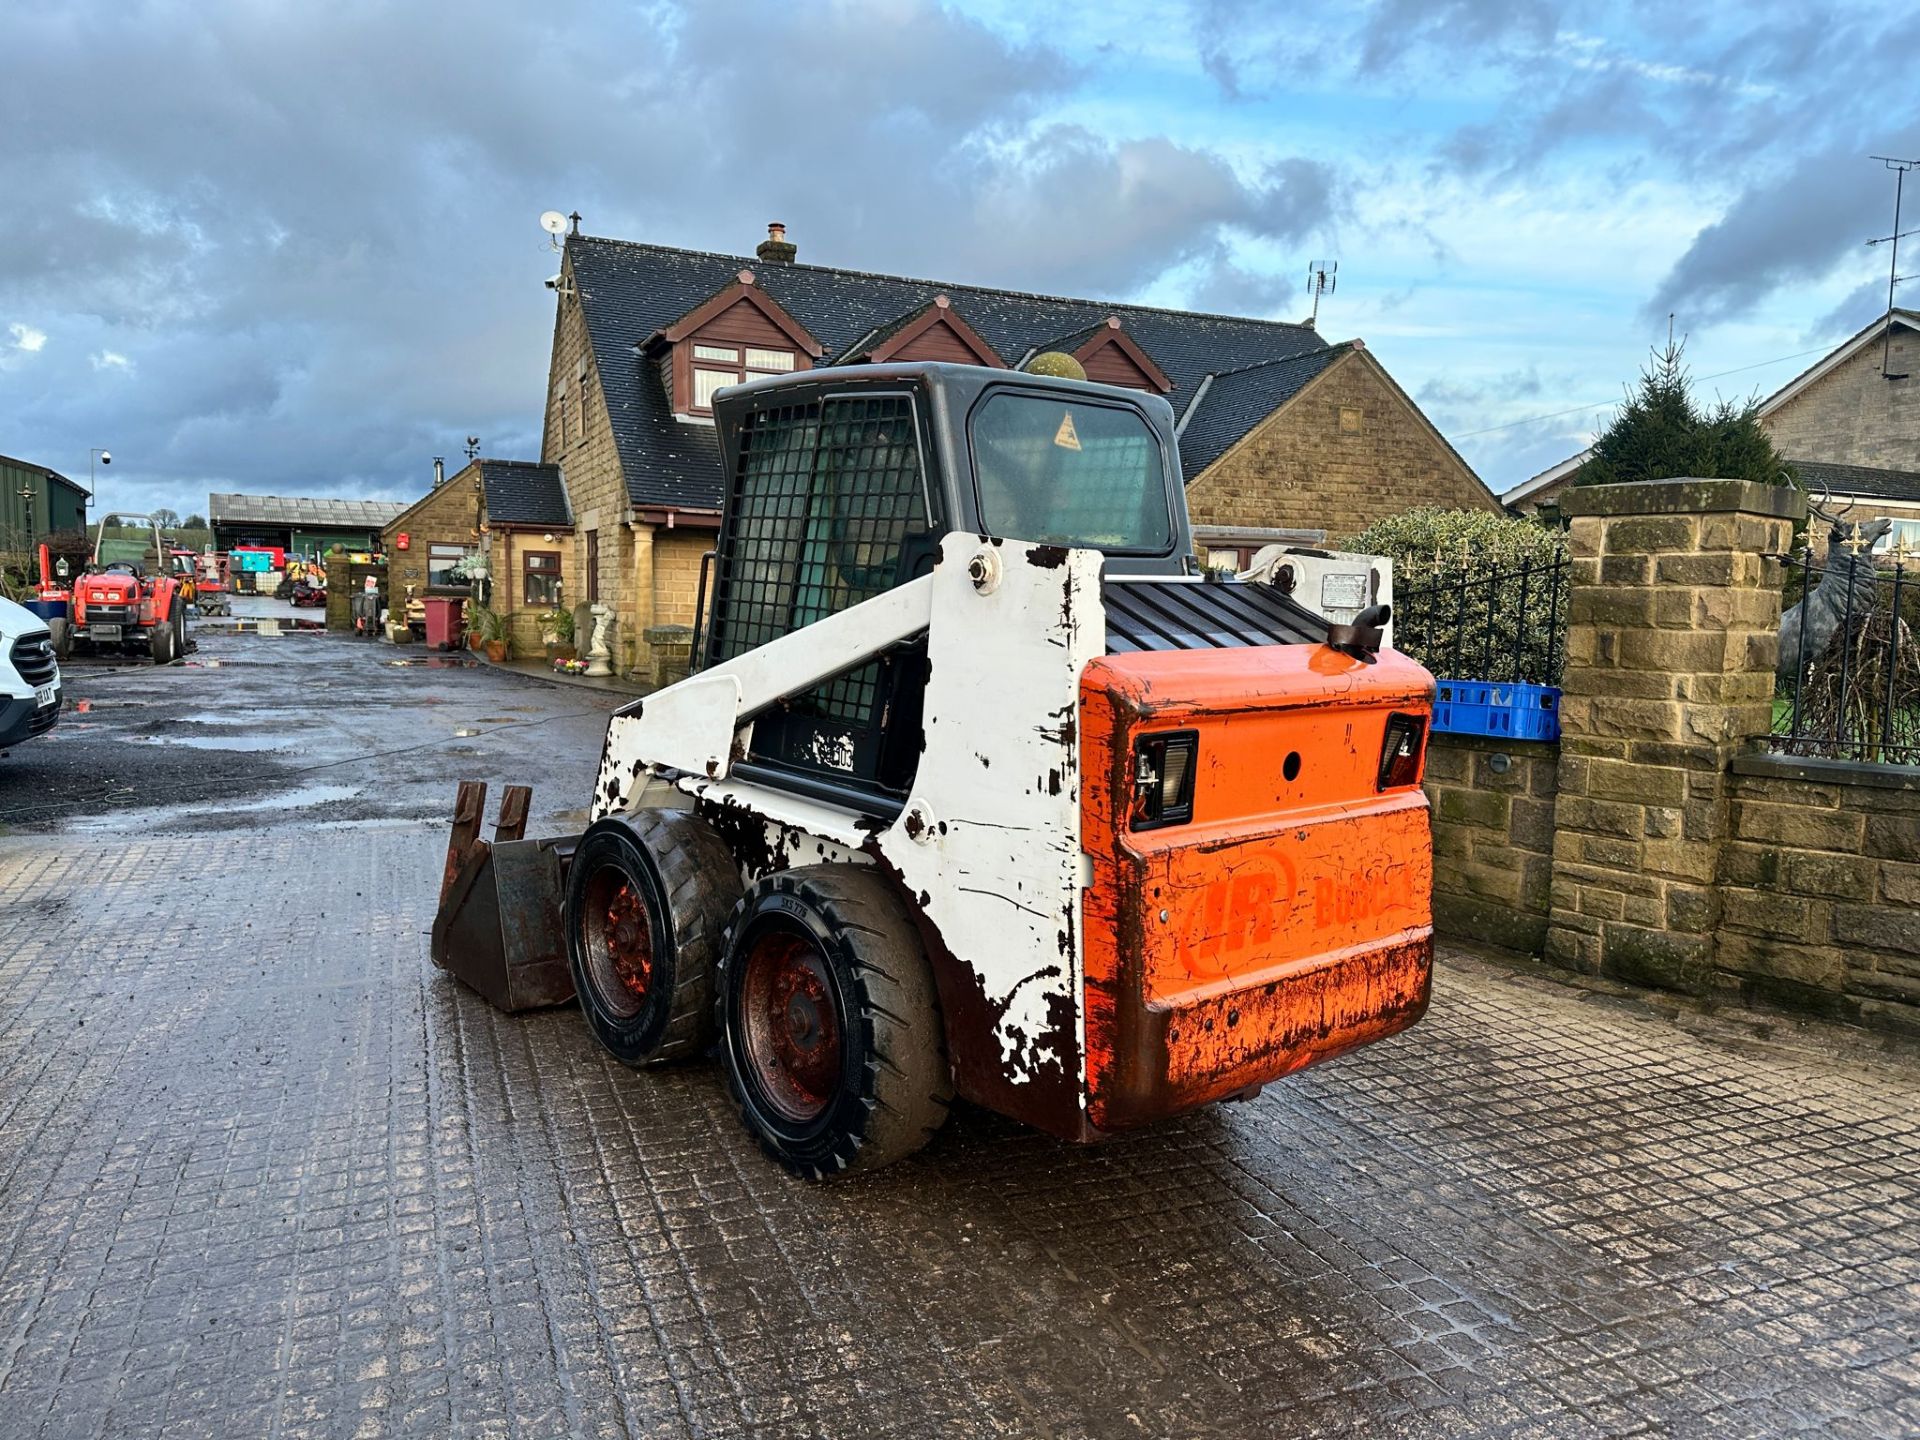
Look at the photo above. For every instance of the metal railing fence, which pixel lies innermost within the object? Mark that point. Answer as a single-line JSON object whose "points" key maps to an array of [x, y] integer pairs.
{"points": [[1849, 672], [1499, 622]]}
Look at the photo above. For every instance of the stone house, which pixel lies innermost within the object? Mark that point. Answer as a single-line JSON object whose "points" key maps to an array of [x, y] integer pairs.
{"points": [[1850, 424], [517, 512], [1282, 434]]}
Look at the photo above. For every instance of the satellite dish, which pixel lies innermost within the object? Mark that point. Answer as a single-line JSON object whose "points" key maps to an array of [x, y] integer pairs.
{"points": [[553, 222]]}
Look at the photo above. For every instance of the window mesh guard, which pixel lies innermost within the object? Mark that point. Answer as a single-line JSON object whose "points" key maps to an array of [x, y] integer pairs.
{"points": [[824, 497]]}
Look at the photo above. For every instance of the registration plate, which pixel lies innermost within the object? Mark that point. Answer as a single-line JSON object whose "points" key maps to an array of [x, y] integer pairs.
{"points": [[103, 632], [46, 695]]}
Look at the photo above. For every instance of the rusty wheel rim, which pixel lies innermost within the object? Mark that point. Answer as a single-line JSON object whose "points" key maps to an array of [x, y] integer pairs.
{"points": [[618, 941], [791, 1024]]}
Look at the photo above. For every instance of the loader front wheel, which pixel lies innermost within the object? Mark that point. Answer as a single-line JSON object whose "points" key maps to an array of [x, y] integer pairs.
{"points": [[647, 902], [830, 1026]]}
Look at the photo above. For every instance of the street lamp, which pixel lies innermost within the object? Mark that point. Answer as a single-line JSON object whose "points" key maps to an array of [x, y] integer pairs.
{"points": [[105, 457]]}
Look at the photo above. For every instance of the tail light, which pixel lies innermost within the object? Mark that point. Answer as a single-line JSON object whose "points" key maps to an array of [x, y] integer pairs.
{"points": [[1163, 767], [1400, 756]]}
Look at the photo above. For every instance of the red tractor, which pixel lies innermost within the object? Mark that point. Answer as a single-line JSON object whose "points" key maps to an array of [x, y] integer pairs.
{"points": [[131, 606]]}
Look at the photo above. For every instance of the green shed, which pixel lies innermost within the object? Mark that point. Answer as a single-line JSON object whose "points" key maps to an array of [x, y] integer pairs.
{"points": [[34, 502]]}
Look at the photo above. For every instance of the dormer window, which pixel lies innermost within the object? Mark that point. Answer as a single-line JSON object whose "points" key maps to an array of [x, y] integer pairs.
{"points": [[736, 334], [717, 366]]}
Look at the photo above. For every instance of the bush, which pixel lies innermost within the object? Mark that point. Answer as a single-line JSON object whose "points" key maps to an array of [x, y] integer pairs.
{"points": [[1476, 595], [1431, 542]]}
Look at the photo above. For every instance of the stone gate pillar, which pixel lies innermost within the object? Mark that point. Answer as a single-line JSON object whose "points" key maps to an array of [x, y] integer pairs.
{"points": [[1672, 625]]}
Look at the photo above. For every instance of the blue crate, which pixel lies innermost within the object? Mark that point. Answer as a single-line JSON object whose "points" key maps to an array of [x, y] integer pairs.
{"points": [[1508, 712]]}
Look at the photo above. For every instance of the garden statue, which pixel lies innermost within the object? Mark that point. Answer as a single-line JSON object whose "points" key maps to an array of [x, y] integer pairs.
{"points": [[597, 653], [1845, 592]]}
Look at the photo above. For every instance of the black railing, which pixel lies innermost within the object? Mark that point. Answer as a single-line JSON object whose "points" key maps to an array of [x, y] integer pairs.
{"points": [[1504, 623], [1848, 678]]}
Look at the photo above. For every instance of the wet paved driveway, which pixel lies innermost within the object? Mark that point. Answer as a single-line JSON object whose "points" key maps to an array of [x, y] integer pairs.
{"points": [[264, 1172]]}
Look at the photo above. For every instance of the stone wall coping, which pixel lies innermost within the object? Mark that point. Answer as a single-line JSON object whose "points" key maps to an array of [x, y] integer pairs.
{"points": [[1829, 772], [1685, 497], [1497, 745]]}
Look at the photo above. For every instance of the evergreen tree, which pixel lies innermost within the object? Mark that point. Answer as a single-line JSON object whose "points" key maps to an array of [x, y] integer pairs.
{"points": [[1659, 433]]}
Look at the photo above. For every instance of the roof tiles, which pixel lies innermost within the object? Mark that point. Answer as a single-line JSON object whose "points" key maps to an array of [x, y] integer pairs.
{"points": [[630, 290]]}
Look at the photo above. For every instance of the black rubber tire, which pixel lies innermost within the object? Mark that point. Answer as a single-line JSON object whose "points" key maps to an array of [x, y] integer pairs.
{"points": [[61, 629], [164, 641], [895, 1086], [689, 882]]}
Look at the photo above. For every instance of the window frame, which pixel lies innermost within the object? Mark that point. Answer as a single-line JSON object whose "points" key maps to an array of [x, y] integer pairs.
{"points": [[529, 573], [992, 392], [457, 587], [738, 371]]}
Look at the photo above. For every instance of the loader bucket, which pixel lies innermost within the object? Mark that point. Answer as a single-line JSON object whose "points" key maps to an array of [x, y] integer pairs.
{"points": [[499, 929]]}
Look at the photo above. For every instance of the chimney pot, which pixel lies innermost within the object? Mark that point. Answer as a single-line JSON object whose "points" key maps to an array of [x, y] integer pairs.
{"points": [[776, 249]]}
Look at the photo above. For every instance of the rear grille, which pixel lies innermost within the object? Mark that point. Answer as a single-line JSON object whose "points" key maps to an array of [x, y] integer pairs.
{"points": [[33, 657], [1203, 615]]}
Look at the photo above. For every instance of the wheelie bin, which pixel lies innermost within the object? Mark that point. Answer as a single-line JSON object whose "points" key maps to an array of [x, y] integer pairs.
{"points": [[444, 622]]}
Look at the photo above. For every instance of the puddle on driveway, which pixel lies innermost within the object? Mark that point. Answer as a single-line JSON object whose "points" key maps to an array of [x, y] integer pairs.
{"points": [[437, 662], [243, 743], [290, 800]]}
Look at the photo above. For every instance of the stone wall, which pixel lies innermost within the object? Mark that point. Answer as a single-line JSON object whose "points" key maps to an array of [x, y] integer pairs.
{"points": [[1348, 450], [1854, 415], [449, 515], [589, 462], [1820, 888], [1493, 803], [1671, 634], [1672, 850]]}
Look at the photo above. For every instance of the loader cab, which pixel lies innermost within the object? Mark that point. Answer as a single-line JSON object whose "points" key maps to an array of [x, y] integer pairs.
{"points": [[841, 483]]}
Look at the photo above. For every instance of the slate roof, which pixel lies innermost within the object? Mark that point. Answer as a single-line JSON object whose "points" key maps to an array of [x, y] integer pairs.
{"points": [[1860, 480], [630, 290], [1234, 401], [520, 492], [303, 512]]}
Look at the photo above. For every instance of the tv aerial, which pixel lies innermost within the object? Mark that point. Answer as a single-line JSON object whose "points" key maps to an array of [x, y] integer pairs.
{"points": [[1320, 281]]}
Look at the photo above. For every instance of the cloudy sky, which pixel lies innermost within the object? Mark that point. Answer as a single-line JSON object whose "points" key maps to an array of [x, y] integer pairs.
{"points": [[294, 247]]}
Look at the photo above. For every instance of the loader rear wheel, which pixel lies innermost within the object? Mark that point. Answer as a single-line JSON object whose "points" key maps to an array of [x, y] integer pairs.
{"points": [[647, 902], [830, 1026]]}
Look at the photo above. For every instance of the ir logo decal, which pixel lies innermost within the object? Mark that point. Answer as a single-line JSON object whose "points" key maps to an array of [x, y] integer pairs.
{"points": [[1234, 916]]}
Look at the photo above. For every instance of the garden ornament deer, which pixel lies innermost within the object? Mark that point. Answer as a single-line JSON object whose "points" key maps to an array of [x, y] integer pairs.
{"points": [[1845, 591]]}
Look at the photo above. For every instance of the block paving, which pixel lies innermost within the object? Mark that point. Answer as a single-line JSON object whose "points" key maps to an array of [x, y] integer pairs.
{"points": [[264, 1172]]}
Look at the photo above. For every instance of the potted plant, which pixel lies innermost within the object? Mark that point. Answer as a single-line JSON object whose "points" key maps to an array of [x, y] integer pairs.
{"points": [[556, 630], [489, 628]]}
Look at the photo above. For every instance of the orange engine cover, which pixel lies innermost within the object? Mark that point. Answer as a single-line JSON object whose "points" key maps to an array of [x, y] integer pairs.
{"points": [[1291, 918]]}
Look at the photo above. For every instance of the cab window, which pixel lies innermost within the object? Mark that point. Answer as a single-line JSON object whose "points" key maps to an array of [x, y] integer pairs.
{"points": [[1069, 472]]}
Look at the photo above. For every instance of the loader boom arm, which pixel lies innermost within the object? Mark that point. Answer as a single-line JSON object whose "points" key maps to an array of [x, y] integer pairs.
{"points": [[691, 726]]}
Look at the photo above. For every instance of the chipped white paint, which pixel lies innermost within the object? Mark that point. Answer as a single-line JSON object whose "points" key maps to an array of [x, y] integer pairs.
{"points": [[990, 836], [1002, 867], [691, 725]]}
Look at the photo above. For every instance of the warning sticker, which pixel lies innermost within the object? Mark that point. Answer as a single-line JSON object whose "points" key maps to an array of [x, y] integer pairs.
{"points": [[1066, 437]]}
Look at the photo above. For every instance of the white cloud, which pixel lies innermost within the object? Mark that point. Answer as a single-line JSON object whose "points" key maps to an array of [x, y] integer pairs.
{"points": [[110, 360], [25, 337]]}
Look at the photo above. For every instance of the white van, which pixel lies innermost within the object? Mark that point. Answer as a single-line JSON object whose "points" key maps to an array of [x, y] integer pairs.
{"points": [[29, 676]]}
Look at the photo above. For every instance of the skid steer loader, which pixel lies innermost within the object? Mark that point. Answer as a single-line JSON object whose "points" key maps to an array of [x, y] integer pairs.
{"points": [[979, 788]]}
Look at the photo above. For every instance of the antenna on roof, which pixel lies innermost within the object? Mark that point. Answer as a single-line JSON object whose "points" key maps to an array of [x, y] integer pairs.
{"points": [[1894, 277], [1320, 281]]}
